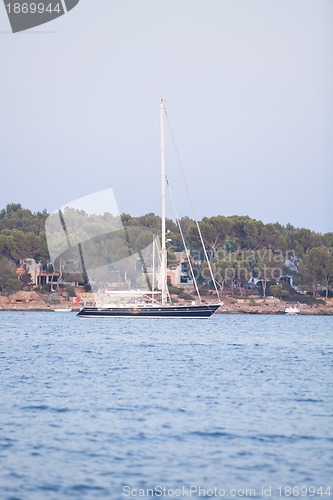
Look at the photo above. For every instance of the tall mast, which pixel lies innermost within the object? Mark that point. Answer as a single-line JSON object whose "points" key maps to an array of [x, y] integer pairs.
{"points": [[163, 250]]}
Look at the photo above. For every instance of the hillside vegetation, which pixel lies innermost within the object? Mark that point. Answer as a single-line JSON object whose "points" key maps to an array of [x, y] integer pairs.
{"points": [[238, 247]]}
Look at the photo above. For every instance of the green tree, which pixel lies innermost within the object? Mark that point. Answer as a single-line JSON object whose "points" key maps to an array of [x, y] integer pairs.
{"points": [[264, 268], [16, 244], [317, 269], [328, 240], [71, 291], [13, 285], [8, 278], [14, 216], [278, 291], [302, 240], [242, 273], [328, 271], [26, 279]]}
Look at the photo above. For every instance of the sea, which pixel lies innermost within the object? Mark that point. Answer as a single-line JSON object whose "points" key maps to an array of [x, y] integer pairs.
{"points": [[227, 407]]}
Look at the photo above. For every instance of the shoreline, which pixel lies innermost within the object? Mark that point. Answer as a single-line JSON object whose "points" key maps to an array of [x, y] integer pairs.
{"points": [[273, 306], [28, 303]]}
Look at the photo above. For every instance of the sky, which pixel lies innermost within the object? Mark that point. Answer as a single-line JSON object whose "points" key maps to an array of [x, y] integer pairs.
{"points": [[248, 89]]}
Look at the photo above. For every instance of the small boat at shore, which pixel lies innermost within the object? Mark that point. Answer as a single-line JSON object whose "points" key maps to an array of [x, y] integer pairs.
{"points": [[63, 310], [294, 309]]}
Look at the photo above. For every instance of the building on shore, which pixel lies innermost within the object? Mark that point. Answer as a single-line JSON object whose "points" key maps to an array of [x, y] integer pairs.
{"points": [[39, 275]]}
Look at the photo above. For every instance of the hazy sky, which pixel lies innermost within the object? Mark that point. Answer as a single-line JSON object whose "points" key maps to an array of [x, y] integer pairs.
{"points": [[248, 85]]}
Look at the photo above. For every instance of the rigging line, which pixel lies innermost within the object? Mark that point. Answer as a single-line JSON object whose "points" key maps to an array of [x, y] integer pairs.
{"points": [[192, 206], [183, 239]]}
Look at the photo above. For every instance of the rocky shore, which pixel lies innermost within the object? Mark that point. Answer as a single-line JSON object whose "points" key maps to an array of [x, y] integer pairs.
{"points": [[32, 301], [272, 306]]}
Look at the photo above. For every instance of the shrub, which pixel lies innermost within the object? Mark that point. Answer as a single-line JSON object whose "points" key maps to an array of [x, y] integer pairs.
{"points": [[71, 291], [186, 296]]}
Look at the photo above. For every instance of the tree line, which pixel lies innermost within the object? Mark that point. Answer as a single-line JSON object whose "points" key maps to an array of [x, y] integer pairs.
{"points": [[238, 247]]}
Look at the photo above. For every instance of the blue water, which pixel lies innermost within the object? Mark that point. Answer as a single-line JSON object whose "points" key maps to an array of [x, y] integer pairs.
{"points": [[105, 408]]}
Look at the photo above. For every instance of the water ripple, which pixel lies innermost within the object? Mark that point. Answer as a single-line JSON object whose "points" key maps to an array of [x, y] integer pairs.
{"points": [[88, 407]]}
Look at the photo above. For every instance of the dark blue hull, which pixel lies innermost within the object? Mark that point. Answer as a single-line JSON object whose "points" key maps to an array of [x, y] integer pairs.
{"points": [[197, 311]]}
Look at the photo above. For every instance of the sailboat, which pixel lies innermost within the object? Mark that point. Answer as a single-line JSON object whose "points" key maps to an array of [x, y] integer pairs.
{"points": [[144, 304]]}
